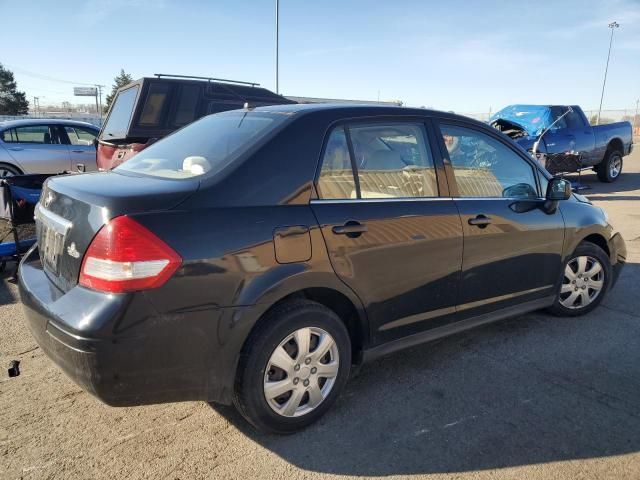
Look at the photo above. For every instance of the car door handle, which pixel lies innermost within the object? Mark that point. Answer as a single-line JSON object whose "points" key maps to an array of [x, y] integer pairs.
{"points": [[350, 229], [481, 221], [78, 151], [16, 149]]}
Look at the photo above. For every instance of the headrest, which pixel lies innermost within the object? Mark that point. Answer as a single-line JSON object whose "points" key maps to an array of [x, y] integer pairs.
{"points": [[385, 160]]}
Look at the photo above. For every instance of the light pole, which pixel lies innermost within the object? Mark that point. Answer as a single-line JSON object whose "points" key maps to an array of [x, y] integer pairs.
{"points": [[612, 26], [277, 40]]}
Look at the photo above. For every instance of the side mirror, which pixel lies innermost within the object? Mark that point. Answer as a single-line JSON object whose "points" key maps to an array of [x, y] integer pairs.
{"points": [[558, 189]]}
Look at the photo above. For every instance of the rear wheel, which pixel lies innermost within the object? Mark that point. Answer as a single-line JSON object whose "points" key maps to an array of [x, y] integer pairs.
{"points": [[611, 167], [293, 367], [7, 170], [585, 280]]}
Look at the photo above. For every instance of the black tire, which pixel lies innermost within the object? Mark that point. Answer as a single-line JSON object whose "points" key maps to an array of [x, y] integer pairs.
{"points": [[604, 168], [5, 167], [273, 328], [590, 250]]}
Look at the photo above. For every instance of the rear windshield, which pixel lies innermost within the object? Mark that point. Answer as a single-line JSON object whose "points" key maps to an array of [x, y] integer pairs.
{"points": [[120, 115], [205, 146]]}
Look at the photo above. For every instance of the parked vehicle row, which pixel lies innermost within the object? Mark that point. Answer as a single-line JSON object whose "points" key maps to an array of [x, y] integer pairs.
{"points": [[559, 130], [255, 255]]}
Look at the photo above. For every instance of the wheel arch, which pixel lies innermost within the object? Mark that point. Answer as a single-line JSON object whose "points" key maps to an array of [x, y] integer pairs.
{"points": [[326, 289], [598, 240], [12, 166], [615, 144]]}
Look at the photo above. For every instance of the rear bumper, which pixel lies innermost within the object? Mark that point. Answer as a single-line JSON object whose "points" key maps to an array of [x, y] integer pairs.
{"points": [[125, 352]]}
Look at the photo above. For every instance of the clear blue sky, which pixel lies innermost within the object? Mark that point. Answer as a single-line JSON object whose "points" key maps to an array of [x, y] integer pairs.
{"points": [[451, 55]]}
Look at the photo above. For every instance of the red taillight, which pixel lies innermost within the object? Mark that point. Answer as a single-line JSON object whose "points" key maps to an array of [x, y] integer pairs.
{"points": [[124, 256]]}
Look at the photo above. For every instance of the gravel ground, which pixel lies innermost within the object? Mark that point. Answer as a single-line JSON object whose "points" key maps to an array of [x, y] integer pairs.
{"points": [[531, 397]]}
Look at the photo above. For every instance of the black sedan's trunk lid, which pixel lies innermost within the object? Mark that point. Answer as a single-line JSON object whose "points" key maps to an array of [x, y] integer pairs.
{"points": [[73, 208]]}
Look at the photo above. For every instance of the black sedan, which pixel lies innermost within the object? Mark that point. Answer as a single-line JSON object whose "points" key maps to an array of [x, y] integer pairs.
{"points": [[255, 256]]}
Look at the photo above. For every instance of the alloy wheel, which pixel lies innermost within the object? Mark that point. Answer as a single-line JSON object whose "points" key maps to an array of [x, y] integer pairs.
{"points": [[301, 372], [5, 172], [615, 166], [582, 283]]}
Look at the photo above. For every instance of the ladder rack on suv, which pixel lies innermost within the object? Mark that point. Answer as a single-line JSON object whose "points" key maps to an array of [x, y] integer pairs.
{"points": [[160, 75]]}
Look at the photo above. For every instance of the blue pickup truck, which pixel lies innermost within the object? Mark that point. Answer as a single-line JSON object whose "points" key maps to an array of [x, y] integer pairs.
{"points": [[564, 131]]}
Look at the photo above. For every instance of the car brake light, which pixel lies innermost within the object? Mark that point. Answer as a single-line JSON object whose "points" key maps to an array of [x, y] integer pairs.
{"points": [[124, 256]]}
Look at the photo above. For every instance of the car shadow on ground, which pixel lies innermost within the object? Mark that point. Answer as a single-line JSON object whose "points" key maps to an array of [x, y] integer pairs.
{"points": [[628, 181], [7, 294], [529, 390]]}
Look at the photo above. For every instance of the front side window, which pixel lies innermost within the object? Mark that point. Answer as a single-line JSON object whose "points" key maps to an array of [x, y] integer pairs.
{"points": [[574, 120], [205, 146], [484, 167], [80, 136]]}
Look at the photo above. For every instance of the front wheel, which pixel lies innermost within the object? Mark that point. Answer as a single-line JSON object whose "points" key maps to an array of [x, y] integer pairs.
{"points": [[293, 367], [585, 280], [611, 167]]}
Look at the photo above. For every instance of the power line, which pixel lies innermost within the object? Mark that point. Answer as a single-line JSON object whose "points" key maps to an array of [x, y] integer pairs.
{"points": [[46, 77]]}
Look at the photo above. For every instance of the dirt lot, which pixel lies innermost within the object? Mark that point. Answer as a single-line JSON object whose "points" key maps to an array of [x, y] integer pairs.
{"points": [[532, 397]]}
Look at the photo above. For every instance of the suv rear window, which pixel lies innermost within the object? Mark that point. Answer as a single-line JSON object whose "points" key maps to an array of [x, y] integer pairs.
{"points": [[205, 146], [118, 121]]}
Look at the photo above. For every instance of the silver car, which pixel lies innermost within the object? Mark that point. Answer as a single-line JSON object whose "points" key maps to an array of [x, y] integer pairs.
{"points": [[46, 146]]}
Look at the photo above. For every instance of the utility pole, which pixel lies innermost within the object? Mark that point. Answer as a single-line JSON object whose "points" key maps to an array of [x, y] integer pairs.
{"points": [[612, 26], [277, 41], [99, 93], [635, 118], [35, 105]]}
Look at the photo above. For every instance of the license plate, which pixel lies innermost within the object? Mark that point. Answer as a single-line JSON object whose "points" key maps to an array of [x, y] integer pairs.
{"points": [[52, 230], [51, 247]]}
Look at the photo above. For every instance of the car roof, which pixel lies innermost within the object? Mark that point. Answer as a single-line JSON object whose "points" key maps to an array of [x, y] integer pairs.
{"points": [[39, 121], [359, 109]]}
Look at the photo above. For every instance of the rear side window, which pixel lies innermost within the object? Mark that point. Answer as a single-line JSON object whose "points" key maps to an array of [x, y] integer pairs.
{"points": [[187, 104], [336, 176], [120, 115], [154, 103], [9, 136], [392, 161], [32, 134], [205, 146]]}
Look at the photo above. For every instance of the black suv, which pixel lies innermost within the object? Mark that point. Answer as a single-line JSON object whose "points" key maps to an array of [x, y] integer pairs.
{"points": [[255, 255]]}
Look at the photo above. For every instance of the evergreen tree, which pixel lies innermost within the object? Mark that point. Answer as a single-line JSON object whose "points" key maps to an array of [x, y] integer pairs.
{"points": [[120, 81], [12, 102]]}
